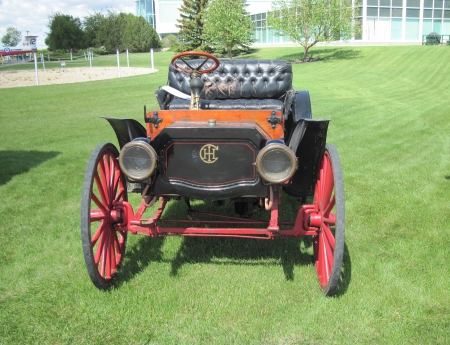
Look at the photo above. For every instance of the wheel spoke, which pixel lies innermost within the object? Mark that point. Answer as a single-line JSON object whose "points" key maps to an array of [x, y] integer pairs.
{"points": [[97, 234], [111, 181], [112, 255], [323, 269], [96, 216], [102, 207], [100, 247], [329, 207], [104, 254], [104, 163], [108, 257], [100, 190], [329, 256], [328, 184], [329, 236]]}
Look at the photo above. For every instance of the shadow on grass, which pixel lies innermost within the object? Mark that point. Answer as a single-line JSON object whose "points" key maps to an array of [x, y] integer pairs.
{"points": [[138, 257], [19, 162], [346, 274], [447, 177], [325, 54], [236, 251]]}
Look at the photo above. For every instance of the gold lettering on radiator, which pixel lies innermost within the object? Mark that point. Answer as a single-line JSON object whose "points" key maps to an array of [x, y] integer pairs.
{"points": [[208, 153]]}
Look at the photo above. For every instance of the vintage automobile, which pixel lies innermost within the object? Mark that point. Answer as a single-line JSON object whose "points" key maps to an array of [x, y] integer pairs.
{"points": [[226, 131]]}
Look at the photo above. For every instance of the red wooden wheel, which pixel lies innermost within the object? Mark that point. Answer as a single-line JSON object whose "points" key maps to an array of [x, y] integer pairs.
{"points": [[198, 69], [330, 205], [104, 185]]}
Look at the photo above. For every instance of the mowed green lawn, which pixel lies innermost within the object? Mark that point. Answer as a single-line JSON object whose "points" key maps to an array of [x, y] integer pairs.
{"points": [[390, 120]]}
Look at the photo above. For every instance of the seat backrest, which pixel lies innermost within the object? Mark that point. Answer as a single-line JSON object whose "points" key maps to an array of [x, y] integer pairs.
{"points": [[239, 79]]}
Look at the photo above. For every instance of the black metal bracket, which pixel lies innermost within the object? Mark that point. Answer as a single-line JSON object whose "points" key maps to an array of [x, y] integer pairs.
{"points": [[274, 119], [155, 119]]}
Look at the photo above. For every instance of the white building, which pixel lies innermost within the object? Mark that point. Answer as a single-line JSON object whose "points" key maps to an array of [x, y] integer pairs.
{"points": [[397, 21]]}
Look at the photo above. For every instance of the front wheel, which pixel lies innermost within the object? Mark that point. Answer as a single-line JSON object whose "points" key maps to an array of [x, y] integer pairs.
{"points": [[329, 202], [104, 186]]}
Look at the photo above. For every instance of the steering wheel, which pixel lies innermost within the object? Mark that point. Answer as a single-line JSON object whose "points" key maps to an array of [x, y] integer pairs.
{"points": [[198, 68]]}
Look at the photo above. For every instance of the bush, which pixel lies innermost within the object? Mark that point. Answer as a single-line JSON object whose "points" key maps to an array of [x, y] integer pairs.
{"points": [[98, 51]]}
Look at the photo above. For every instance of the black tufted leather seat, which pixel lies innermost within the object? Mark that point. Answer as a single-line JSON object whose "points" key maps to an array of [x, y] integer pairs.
{"points": [[235, 84]]}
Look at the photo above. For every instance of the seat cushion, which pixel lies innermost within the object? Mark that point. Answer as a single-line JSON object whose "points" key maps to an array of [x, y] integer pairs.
{"points": [[239, 79], [230, 104]]}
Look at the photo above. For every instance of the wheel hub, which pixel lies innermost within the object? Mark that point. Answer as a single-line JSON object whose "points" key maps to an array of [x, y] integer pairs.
{"points": [[315, 220], [115, 216]]}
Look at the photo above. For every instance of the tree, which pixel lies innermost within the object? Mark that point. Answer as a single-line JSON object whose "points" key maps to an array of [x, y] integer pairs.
{"points": [[126, 31], [91, 27], [139, 35], [65, 32], [308, 22], [191, 24], [12, 37], [227, 25]]}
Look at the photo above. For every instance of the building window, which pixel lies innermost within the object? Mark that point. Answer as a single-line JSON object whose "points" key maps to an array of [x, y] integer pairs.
{"points": [[397, 12], [412, 3], [372, 11], [396, 30], [412, 13], [385, 12], [412, 29], [428, 13]]}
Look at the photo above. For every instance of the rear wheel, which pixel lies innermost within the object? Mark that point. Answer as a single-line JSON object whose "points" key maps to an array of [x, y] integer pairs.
{"points": [[330, 204], [104, 185]]}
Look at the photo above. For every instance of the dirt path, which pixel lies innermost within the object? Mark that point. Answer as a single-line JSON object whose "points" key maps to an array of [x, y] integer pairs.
{"points": [[71, 75]]}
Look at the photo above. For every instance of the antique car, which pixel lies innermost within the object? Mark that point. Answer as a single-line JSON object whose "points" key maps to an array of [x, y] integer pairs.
{"points": [[231, 131]]}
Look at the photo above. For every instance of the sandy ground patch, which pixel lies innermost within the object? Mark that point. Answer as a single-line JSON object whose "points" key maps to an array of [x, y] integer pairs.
{"points": [[71, 75]]}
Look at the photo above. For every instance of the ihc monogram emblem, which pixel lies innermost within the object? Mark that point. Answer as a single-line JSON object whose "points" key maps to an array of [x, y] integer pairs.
{"points": [[208, 153]]}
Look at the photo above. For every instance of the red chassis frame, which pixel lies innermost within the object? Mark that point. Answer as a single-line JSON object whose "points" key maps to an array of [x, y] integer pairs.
{"points": [[307, 223]]}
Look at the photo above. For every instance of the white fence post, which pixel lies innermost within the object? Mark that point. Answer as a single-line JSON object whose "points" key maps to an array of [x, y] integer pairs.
{"points": [[43, 61], [151, 54], [36, 69], [118, 63], [128, 60]]}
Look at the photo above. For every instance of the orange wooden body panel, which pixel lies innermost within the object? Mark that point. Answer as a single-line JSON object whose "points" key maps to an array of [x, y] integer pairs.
{"points": [[222, 117]]}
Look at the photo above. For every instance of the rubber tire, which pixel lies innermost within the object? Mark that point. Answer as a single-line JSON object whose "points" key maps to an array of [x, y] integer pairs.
{"points": [[329, 279], [115, 240]]}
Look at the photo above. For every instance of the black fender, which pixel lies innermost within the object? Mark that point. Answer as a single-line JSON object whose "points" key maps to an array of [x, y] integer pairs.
{"points": [[301, 106], [126, 129], [308, 142]]}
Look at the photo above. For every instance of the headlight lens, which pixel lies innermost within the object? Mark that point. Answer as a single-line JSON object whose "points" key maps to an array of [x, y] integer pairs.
{"points": [[137, 160], [276, 163]]}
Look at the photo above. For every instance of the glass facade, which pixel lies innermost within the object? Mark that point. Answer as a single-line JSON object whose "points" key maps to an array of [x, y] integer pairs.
{"points": [[405, 20], [263, 33], [383, 21], [146, 9]]}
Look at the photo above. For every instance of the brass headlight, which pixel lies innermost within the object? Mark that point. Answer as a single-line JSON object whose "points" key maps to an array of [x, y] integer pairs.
{"points": [[276, 163], [137, 160]]}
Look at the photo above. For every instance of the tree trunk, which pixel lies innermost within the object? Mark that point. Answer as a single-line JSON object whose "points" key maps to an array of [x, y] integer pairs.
{"points": [[305, 53], [230, 52]]}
